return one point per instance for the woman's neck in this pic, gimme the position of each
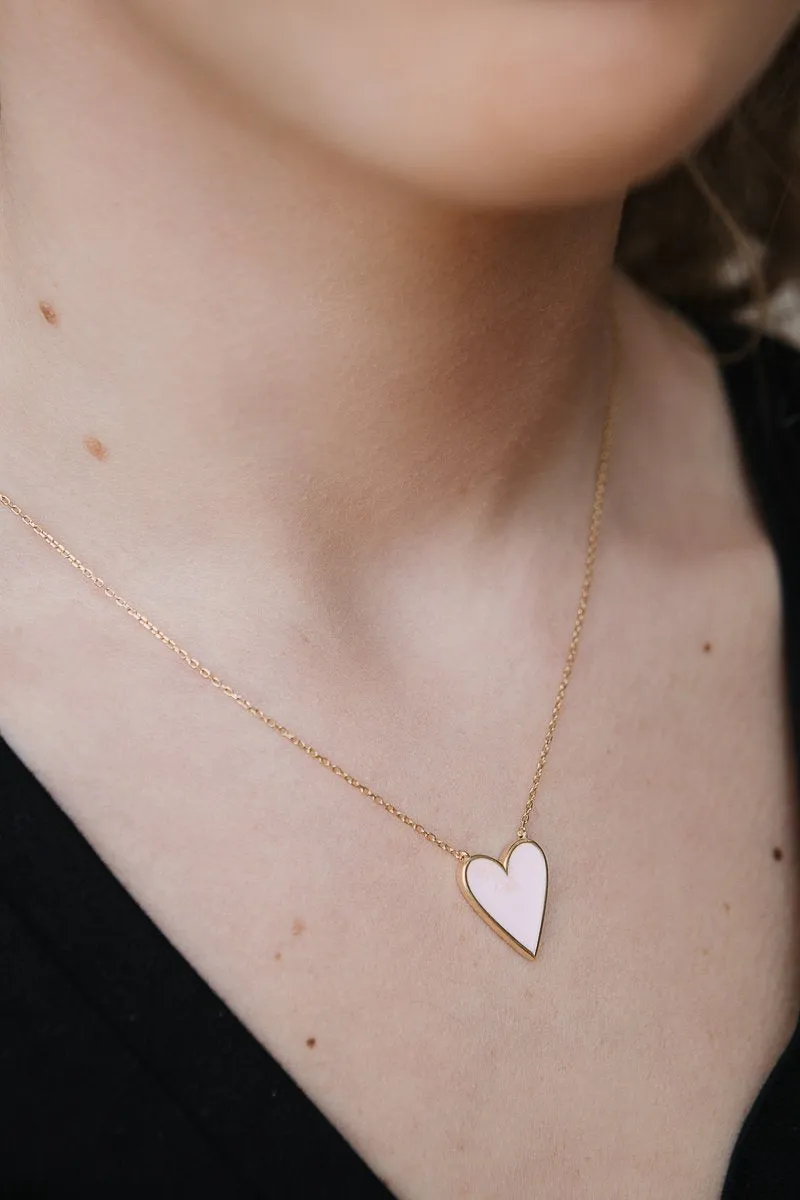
(248, 331)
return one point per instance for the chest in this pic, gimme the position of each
(623, 1060)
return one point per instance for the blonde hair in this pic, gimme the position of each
(721, 231)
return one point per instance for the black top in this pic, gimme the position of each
(122, 1074)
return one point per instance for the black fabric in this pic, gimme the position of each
(123, 1075)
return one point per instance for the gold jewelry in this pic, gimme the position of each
(508, 893)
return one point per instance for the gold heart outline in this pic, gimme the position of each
(474, 903)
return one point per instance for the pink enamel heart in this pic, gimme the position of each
(510, 894)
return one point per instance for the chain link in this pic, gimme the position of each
(323, 760)
(580, 616)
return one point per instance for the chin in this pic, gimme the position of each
(516, 103)
(557, 120)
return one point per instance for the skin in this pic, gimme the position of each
(501, 103)
(306, 332)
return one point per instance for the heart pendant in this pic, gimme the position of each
(509, 894)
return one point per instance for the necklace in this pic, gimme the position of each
(510, 892)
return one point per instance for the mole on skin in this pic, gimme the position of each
(777, 854)
(707, 648)
(298, 927)
(96, 448)
(277, 956)
(48, 312)
(311, 1043)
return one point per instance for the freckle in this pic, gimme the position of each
(277, 956)
(298, 927)
(726, 906)
(48, 312)
(777, 854)
(96, 448)
(707, 648)
(706, 951)
(311, 1043)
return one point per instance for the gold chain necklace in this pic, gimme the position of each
(508, 893)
